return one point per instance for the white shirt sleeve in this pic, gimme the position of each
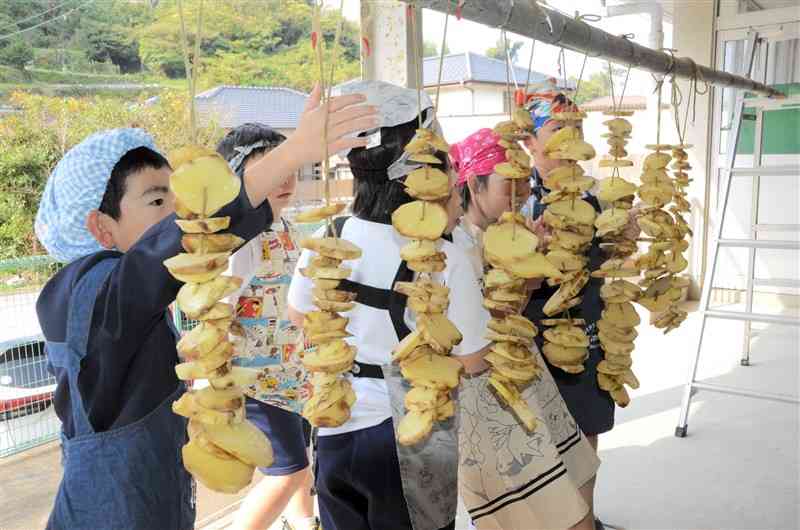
(244, 264)
(466, 309)
(300, 297)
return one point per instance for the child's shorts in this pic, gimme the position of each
(289, 434)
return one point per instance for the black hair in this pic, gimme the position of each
(131, 162)
(375, 196)
(464, 193)
(248, 134)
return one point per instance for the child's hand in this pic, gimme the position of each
(632, 230)
(346, 117)
(541, 230)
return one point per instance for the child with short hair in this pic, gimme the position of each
(270, 348)
(107, 211)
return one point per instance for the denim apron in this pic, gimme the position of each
(131, 477)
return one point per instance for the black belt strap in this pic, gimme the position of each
(372, 371)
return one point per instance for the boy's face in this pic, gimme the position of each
(281, 197)
(147, 201)
(453, 205)
(495, 198)
(536, 143)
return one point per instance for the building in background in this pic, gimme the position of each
(278, 107)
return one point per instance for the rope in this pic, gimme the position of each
(191, 70)
(26, 19)
(530, 66)
(508, 73)
(441, 59)
(412, 18)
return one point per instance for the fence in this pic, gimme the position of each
(27, 418)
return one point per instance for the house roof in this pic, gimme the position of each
(606, 103)
(472, 67)
(231, 106)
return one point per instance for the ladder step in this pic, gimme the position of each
(765, 171)
(777, 282)
(753, 317)
(763, 227)
(722, 389)
(759, 243)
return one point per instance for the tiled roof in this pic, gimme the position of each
(605, 103)
(231, 106)
(472, 67)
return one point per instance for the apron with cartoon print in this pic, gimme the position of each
(270, 344)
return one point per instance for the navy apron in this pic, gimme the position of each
(131, 477)
(592, 408)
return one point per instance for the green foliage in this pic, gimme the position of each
(430, 49)
(33, 140)
(498, 51)
(16, 54)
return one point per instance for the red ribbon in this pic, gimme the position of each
(367, 48)
(314, 40)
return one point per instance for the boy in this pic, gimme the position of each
(266, 263)
(107, 211)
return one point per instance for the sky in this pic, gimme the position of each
(465, 36)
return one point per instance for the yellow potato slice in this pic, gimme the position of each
(243, 440)
(188, 264)
(560, 137)
(577, 211)
(203, 226)
(419, 250)
(432, 371)
(512, 170)
(613, 189)
(428, 183)
(420, 220)
(332, 247)
(509, 241)
(622, 315)
(210, 243)
(319, 214)
(415, 426)
(195, 299)
(204, 184)
(224, 475)
(564, 355)
(656, 160)
(574, 150)
(421, 399)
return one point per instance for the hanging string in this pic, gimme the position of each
(441, 59)
(508, 73)
(582, 18)
(334, 61)
(411, 15)
(191, 70)
(530, 66)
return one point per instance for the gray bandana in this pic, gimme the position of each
(397, 105)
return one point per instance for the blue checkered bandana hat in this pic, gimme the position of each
(76, 187)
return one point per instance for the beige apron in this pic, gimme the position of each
(511, 479)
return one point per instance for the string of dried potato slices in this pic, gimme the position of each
(423, 355)
(510, 248)
(617, 325)
(224, 447)
(332, 395)
(571, 220)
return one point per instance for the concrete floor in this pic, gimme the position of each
(737, 469)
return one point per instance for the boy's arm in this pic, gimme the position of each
(140, 288)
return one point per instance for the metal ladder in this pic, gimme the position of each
(753, 244)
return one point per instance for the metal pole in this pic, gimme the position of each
(528, 19)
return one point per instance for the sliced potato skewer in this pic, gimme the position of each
(224, 447)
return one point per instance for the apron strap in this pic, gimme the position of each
(68, 355)
(81, 304)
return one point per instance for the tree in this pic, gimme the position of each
(16, 54)
(429, 49)
(498, 50)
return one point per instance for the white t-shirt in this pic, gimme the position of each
(373, 333)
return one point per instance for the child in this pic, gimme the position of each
(591, 406)
(549, 464)
(107, 211)
(266, 264)
(364, 479)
